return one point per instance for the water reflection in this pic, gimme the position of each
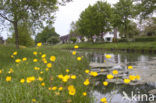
(145, 66)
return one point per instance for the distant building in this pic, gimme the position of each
(64, 39)
(109, 36)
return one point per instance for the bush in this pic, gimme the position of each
(122, 40)
(73, 39)
(53, 40)
(145, 39)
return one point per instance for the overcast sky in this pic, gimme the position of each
(65, 15)
(71, 12)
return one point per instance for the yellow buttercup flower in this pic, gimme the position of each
(52, 58)
(105, 83)
(79, 58)
(30, 79)
(115, 72)
(94, 74)
(127, 81)
(73, 77)
(104, 100)
(87, 71)
(35, 53)
(84, 93)
(18, 60)
(12, 56)
(137, 77)
(47, 69)
(67, 70)
(49, 65)
(41, 72)
(110, 76)
(43, 55)
(65, 78)
(108, 56)
(76, 46)
(132, 77)
(10, 71)
(33, 100)
(24, 59)
(130, 67)
(0, 71)
(15, 53)
(74, 52)
(40, 78)
(8, 78)
(86, 82)
(43, 84)
(39, 44)
(35, 60)
(36, 68)
(60, 76)
(71, 90)
(54, 88)
(22, 80)
(60, 88)
(50, 88)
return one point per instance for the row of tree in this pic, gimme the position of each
(102, 17)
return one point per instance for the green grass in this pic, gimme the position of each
(16, 92)
(125, 45)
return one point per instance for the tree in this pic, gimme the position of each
(46, 34)
(145, 7)
(33, 11)
(24, 37)
(150, 28)
(123, 12)
(53, 40)
(95, 19)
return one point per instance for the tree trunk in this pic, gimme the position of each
(16, 34)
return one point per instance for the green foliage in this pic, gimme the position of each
(122, 40)
(53, 40)
(95, 19)
(123, 11)
(46, 34)
(24, 36)
(145, 7)
(73, 39)
(145, 39)
(150, 29)
(30, 11)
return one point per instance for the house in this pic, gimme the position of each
(67, 38)
(109, 36)
(64, 39)
(1, 40)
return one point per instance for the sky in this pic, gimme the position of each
(65, 15)
(71, 12)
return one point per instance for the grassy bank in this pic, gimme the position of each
(24, 84)
(124, 45)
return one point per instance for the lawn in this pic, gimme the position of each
(123, 45)
(28, 81)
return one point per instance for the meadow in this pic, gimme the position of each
(42, 75)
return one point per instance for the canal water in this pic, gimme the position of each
(138, 91)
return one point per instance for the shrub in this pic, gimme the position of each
(73, 39)
(145, 39)
(122, 40)
(53, 40)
